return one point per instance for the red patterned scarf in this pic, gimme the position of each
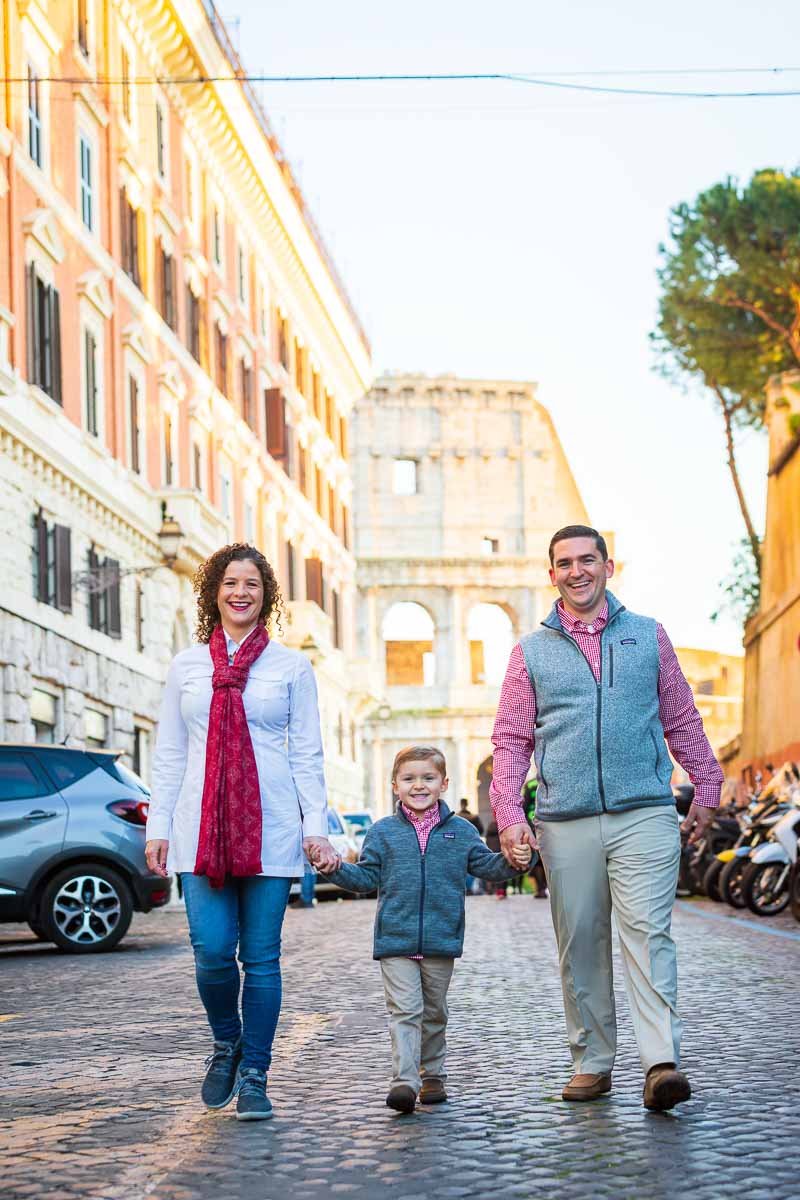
(230, 820)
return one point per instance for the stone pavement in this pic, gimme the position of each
(102, 1060)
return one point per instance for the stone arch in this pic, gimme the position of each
(490, 633)
(408, 633)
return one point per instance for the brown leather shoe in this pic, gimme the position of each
(586, 1087)
(402, 1098)
(432, 1091)
(665, 1087)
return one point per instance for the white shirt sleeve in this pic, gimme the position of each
(169, 759)
(305, 750)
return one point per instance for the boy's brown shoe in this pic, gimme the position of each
(402, 1098)
(432, 1091)
(586, 1087)
(665, 1087)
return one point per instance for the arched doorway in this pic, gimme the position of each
(408, 635)
(484, 782)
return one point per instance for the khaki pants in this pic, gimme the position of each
(416, 1000)
(626, 863)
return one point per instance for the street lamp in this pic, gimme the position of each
(170, 537)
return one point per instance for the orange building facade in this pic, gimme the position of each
(174, 340)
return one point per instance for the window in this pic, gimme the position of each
(141, 751)
(263, 314)
(216, 236)
(66, 767)
(190, 186)
(43, 716)
(249, 524)
(18, 778)
(197, 467)
(90, 383)
(299, 367)
(319, 491)
(140, 616)
(83, 27)
(225, 493)
(44, 335)
(220, 359)
(241, 275)
(489, 545)
(332, 508)
(52, 563)
(290, 571)
(169, 452)
(345, 528)
(343, 436)
(302, 472)
(316, 393)
(129, 235)
(404, 478)
(95, 729)
(315, 587)
(166, 271)
(246, 392)
(330, 414)
(283, 342)
(125, 74)
(337, 619)
(104, 600)
(87, 190)
(161, 139)
(195, 327)
(135, 424)
(35, 140)
(277, 432)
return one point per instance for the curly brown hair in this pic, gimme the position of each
(209, 575)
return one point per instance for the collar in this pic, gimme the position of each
(560, 620)
(232, 646)
(429, 817)
(442, 814)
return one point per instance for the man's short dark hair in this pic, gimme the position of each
(574, 531)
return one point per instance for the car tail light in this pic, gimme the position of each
(158, 897)
(132, 811)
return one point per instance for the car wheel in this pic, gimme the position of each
(38, 929)
(86, 909)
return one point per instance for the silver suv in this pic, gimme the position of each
(72, 864)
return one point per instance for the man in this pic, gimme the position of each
(463, 811)
(592, 695)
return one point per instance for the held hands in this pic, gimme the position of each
(517, 844)
(321, 855)
(155, 853)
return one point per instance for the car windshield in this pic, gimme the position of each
(117, 770)
(359, 821)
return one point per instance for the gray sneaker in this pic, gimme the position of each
(252, 1102)
(219, 1085)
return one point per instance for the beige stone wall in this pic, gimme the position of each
(492, 485)
(717, 681)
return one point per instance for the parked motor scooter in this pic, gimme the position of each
(756, 825)
(767, 879)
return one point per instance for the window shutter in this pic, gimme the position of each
(63, 555)
(337, 620)
(201, 320)
(40, 535)
(124, 232)
(113, 600)
(55, 347)
(172, 285)
(160, 281)
(314, 581)
(137, 219)
(94, 596)
(32, 324)
(276, 423)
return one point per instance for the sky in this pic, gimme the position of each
(499, 230)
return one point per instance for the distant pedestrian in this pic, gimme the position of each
(537, 871)
(593, 693)
(473, 885)
(238, 795)
(418, 860)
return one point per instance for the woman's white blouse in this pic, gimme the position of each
(280, 702)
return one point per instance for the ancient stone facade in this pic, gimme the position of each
(771, 729)
(172, 333)
(458, 486)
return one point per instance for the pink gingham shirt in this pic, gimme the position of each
(423, 825)
(513, 735)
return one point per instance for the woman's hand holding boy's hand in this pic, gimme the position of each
(322, 855)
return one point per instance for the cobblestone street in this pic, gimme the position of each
(102, 1062)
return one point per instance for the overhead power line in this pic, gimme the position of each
(555, 80)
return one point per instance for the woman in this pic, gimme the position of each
(238, 796)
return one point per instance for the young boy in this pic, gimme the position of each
(418, 860)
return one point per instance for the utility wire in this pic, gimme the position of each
(541, 80)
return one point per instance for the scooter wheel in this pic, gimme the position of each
(711, 880)
(730, 882)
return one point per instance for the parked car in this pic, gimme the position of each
(72, 826)
(343, 843)
(358, 822)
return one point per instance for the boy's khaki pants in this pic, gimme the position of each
(416, 1000)
(627, 863)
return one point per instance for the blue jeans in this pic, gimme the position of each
(307, 885)
(246, 912)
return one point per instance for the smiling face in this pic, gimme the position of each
(580, 573)
(418, 784)
(240, 598)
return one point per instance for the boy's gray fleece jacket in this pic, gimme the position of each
(420, 896)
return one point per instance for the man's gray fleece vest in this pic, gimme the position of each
(599, 746)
